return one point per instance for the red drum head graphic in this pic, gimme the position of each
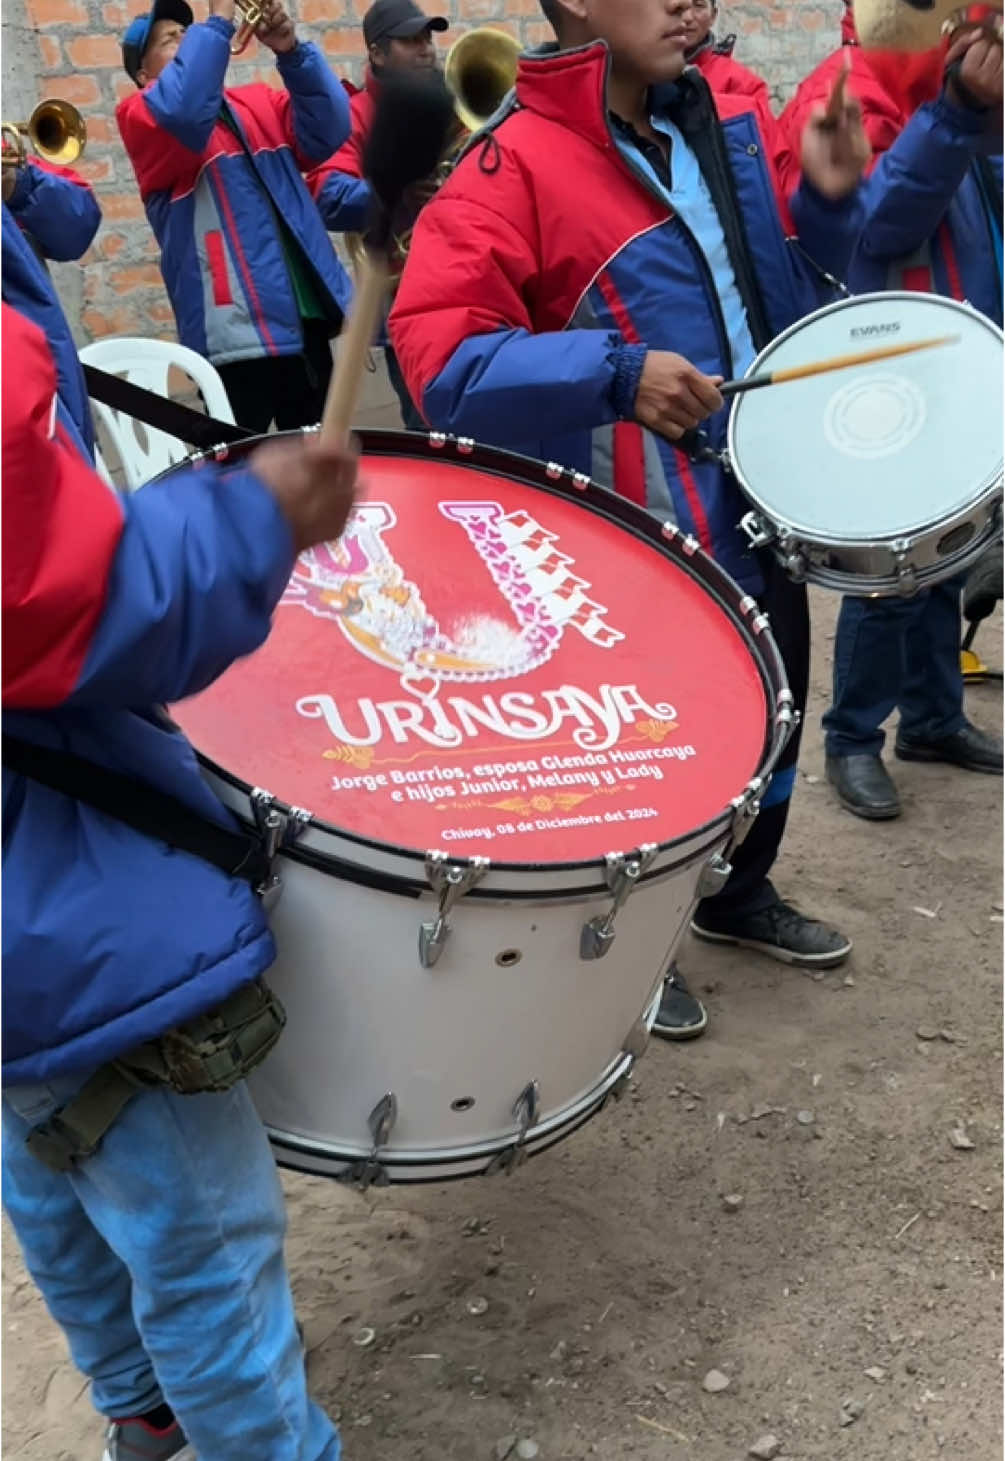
(488, 668)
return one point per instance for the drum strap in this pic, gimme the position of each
(210, 1053)
(140, 806)
(198, 430)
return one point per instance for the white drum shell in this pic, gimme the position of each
(910, 553)
(457, 1043)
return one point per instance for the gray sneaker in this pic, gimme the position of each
(135, 1440)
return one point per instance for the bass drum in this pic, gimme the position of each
(528, 722)
(885, 478)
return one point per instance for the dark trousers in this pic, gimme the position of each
(896, 654)
(287, 389)
(409, 414)
(749, 888)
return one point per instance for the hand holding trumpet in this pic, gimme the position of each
(264, 19)
(276, 29)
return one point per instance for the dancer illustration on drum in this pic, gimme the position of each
(581, 285)
(934, 224)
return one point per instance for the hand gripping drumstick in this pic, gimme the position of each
(836, 362)
(414, 115)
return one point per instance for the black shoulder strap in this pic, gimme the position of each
(153, 410)
(142, 807)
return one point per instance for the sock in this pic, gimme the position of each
(161, 1418)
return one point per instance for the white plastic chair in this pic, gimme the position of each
(144, 451)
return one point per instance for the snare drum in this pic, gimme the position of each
(880, 479)
(504, 733)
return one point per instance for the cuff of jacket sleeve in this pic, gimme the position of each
(221, 26)
(292, 60)
(23, 188)
(970, 120)
(628, 362)
(821, 200)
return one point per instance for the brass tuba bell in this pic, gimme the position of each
(480, 69)
(55, 129)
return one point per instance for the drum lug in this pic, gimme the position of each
(526, 1111)
(370, 1172)
(796, 566)
(759, 533)
(637, 1039)
(785, 711)
(277, 828)
(745, 810)
(450, 881)
(621, 873)
(714, 876)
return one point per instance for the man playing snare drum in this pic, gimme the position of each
(595, 266)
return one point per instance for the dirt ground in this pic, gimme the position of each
(853, 1300)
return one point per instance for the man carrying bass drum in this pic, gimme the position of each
(589, 273)
(932, 223)
(136, 1173)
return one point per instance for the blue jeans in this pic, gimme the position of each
(161, 1258)
(896, 653)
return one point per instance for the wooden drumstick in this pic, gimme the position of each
(836, 362)
(413, 118)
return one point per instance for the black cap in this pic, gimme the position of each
(137, 37)
(388, 20)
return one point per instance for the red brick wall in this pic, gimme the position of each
(78, 58)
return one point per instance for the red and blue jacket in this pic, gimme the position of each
(215, 193)
(547, 266)
(724, 73)
(933, 204)
(338, 185)
(57, 208)
(112, 606)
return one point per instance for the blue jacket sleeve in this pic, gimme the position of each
(828, 229)
(344, 203)
(59, 211)
(319, 105)
(201, 563)
(917, 178)
(465, 341)
(187, 96)
(545, 385)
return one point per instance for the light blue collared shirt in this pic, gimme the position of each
(690, 198)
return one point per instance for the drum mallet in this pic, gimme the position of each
(836, 362)
(413, 119)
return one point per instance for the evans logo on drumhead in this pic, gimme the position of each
(875, 332)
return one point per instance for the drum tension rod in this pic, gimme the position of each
(450, 881)
(370, 1172)
(277, 829)
(621, 873)
(526, 1111)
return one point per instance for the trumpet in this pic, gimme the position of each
(55, 129)
(480, 70)
(253, 12)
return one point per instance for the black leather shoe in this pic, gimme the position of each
(864, 787)
(680, 1016)
(969, 748)
(781, 932)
